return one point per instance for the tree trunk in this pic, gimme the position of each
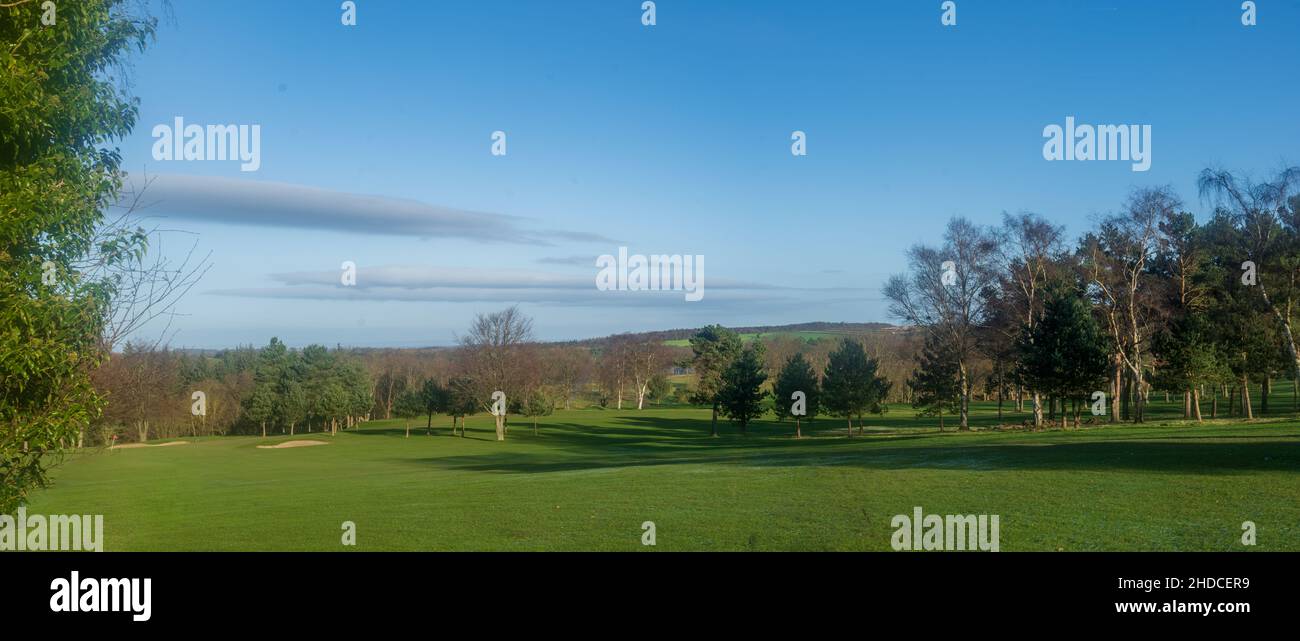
(1187, 403)
(1245, 398)
(797, 432)
(1196, 404)
(1126, 397)
(965, 398)
(263, 429)
(714, 423)
(1265, 392)
(1001, 393)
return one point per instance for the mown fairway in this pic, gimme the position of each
(591, 477)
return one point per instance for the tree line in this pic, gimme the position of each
(1148, 300)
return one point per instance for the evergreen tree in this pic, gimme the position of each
(797, 375)
(713, 348)
(936, 382)
(539, 403)
(1065, 354)
(741, 395)
(851, 386)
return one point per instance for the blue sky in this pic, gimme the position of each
(669, 139)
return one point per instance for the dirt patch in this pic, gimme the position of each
(131, 446)
(280, 446)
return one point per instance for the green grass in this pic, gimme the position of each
(591, 477)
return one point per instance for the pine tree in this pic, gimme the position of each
(713, 349)
(851, 386)
(1065, 355)
(797, 375)
(936, 382)
(741, 395)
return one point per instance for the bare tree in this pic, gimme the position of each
(645, 358)
(944, 294)
(1030, 251)
(129, 259)
(1115, 263)
(494, 343)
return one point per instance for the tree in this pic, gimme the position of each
(360, 397)
(570, 370)
(659, 388)
(1270, 236)
(433, 398)
(462, 401)
(61, 111)
(1184, 347)
(293, 403)
(945, 294)
(539, 403)
(495, 345)
(797, 375)
(712, 348)
(1189, 359)
(936, 383)
(850, 386)
(1117, 262)
(263, 406)
(645, 359)
(1064, 355)
(741, 395)
(1030, 254)
(409, 405)
(1244, 330)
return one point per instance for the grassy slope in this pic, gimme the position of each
(592, 477)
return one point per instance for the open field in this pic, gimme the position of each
(590, 478)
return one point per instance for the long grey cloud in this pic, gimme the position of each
(464, 285)
(421, 277)
(271, 204)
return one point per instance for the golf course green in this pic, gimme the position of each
(590, 478)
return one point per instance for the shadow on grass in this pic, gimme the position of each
(568, 452)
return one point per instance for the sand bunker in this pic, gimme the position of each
(285, 444)
(129, 446)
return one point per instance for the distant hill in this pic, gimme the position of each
(679, 337)
(674, 337)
